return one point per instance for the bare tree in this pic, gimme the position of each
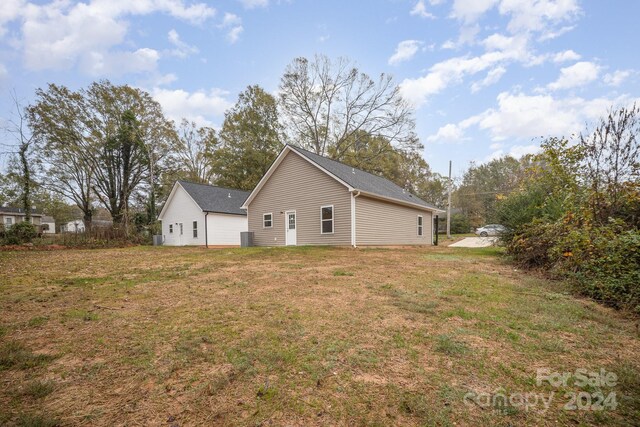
(611, 157)
(23, 142)
(326, 103)
(195, 150)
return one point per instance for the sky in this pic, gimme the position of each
(487, 78)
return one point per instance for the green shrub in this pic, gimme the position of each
(460, 224)
(602, 262)
(22, 232)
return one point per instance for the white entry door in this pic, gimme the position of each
(290, 228)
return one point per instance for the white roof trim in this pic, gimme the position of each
(275, 165)
(173, 192)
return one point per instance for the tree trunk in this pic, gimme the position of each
(26, 182)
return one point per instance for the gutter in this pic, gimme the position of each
(398, 201)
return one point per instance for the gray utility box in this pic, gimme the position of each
(158, 240)
(246, 239)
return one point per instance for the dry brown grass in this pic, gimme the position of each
(296, 336)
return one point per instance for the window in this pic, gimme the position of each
(8, 222)
(181, 231)
(195, 229)
(267, 220)
(170, 228)
(420, 227)
(326, 219)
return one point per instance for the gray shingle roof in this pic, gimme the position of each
(216, 199)
(17, 211)
(363, 181)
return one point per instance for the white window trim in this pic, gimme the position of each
(170, 228)
(333, 219)
(194, 229)
(265, 214)
(420, 227)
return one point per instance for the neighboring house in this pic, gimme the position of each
(204, 215)
(307, 199)
(77, 225)
(48, 225)
(10, 216)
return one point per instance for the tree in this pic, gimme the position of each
(66, 141)
(250, 140)
(24, 139)
(483, 185)
(326, 104)
(194, 157)
(611, 159)
(123, 163)
(104, 141)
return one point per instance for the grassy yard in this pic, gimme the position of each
(300, 336)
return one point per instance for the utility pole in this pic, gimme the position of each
(449, 205)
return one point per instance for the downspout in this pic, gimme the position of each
(206, 233)
(353, 218)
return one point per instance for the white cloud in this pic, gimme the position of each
(233, 24)
(181, 49)
(420, 9)
(200, 106)
(447, 133)
(578, 74)
(538, 15)
(10, 10)
(253, 4)
(405, 51)
(234, 34)
(516, 151)
(502, 50)
(567, 55)
(522, 150)
(164, 79)
(99, 64)
(470, 11)
(550, 35)
(521, 116)
(493, 76)
(61, 34)
(617, 77)
(230, 20)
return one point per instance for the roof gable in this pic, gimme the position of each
(353, 178)
(364, 181)
(215, 199)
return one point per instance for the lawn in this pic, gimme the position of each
(299, 336)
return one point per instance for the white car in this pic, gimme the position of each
(491, 230)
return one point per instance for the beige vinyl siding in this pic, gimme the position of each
(35, 220)
(382, 223)
(298, 185)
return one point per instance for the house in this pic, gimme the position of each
(307, 199)
(101, 219)
(48, 225)
(10, 216)
(204, 215)
(75, 226)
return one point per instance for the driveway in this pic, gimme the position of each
(475, 242)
